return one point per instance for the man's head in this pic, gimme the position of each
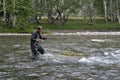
(39, 28)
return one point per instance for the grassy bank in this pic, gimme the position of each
(76, 24)
(72, 24)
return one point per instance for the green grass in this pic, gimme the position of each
(71, 24)
(76, 24)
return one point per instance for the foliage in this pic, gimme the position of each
(99, 7)
(21, 11)
(72, 24)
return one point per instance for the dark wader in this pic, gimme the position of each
(36, 48)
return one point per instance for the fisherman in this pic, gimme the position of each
(36, 39)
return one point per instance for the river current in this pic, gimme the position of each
(67, 57)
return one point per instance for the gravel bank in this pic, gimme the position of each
(65, 33)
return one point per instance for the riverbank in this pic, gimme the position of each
(67, 32)
(70, 26)
(78, 30)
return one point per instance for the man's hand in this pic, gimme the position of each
(45, 37)
(39, 40)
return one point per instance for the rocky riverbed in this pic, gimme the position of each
(68, 56)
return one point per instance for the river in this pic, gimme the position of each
(67, 57)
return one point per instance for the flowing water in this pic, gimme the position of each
(67, 57)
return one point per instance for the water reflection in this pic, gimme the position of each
(67, 57)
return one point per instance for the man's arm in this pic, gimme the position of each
(33, 37)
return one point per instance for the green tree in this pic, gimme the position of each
(23, 11)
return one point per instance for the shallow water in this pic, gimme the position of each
(67, 57)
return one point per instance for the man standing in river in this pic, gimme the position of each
(36, 39)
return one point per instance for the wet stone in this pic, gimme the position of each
(118, 65)
(8, 79)
(61, 79)
(21, 73)
(33, 74)
(112, 73)
(3, 73)
(93, 71)
(82, 77)
(76, 74)
(104, 77)
(43, 73)
(116, 78)
(90, 79)
(59, 75)
(48, 78)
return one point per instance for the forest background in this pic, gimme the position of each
(22, 16)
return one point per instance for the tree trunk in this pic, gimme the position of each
(4, 13)
(111, 9)
(36, 10)
(105, 10)
(85, 20)
(14, 19)
(91, 10)
(50, 19)
(45, 4)
(62, 18)
(118, 13)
